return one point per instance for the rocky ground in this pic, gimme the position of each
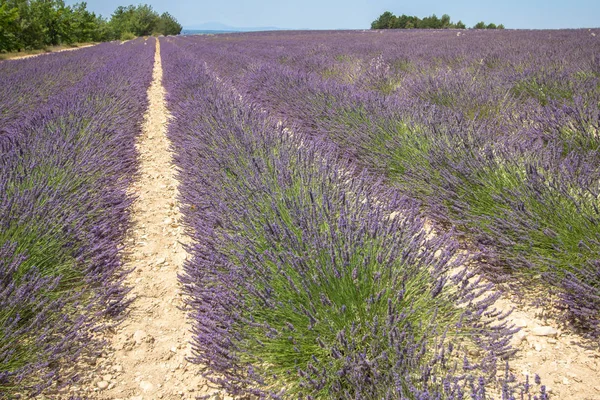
(566, 363)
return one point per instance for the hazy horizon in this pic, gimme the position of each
(358, 14)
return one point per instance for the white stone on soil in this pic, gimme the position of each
(146, 386)
(102, 385)
(544, 331)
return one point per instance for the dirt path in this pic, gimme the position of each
(19, 57)
(567, 368)
(146, 357)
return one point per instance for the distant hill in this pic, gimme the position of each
(217, 26)
(185, 32)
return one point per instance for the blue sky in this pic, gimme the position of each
(358, 14)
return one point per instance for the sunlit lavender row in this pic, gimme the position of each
(497, 133)
(27, 84)
(311, 278)
(67, 156)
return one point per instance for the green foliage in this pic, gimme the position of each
(9, 18)
(542, 90)
(168, 25)
(142, 20)
(388, 20)
(385, 21)
(491, 25)
(37, 24)
(87, 26)
(563, 220)
(432, 22)
(127, 36)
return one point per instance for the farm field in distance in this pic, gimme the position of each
(366, 214)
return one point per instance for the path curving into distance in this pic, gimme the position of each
(146, 357)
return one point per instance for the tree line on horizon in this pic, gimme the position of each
(37, 24)
(388, 20)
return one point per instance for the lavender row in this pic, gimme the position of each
(497, 133)
(308, 279)
(64, 174)
(26, 84)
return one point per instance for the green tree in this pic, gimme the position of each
(9, 21)
(31, 31)
(480, 25)
(86, 26)
(145, 20)
(387, 20)
(491, 25)
(384, 21)
(446, 21)
(55, 18)
(168, 25)
(401, 21)
(128, 22)
(120, 21)
(432, 22)
(35, 24)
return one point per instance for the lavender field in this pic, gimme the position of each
(495, 133)
(357, 202)
(294, 150)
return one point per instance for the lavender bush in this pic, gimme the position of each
(64, 172)
(308, 279)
